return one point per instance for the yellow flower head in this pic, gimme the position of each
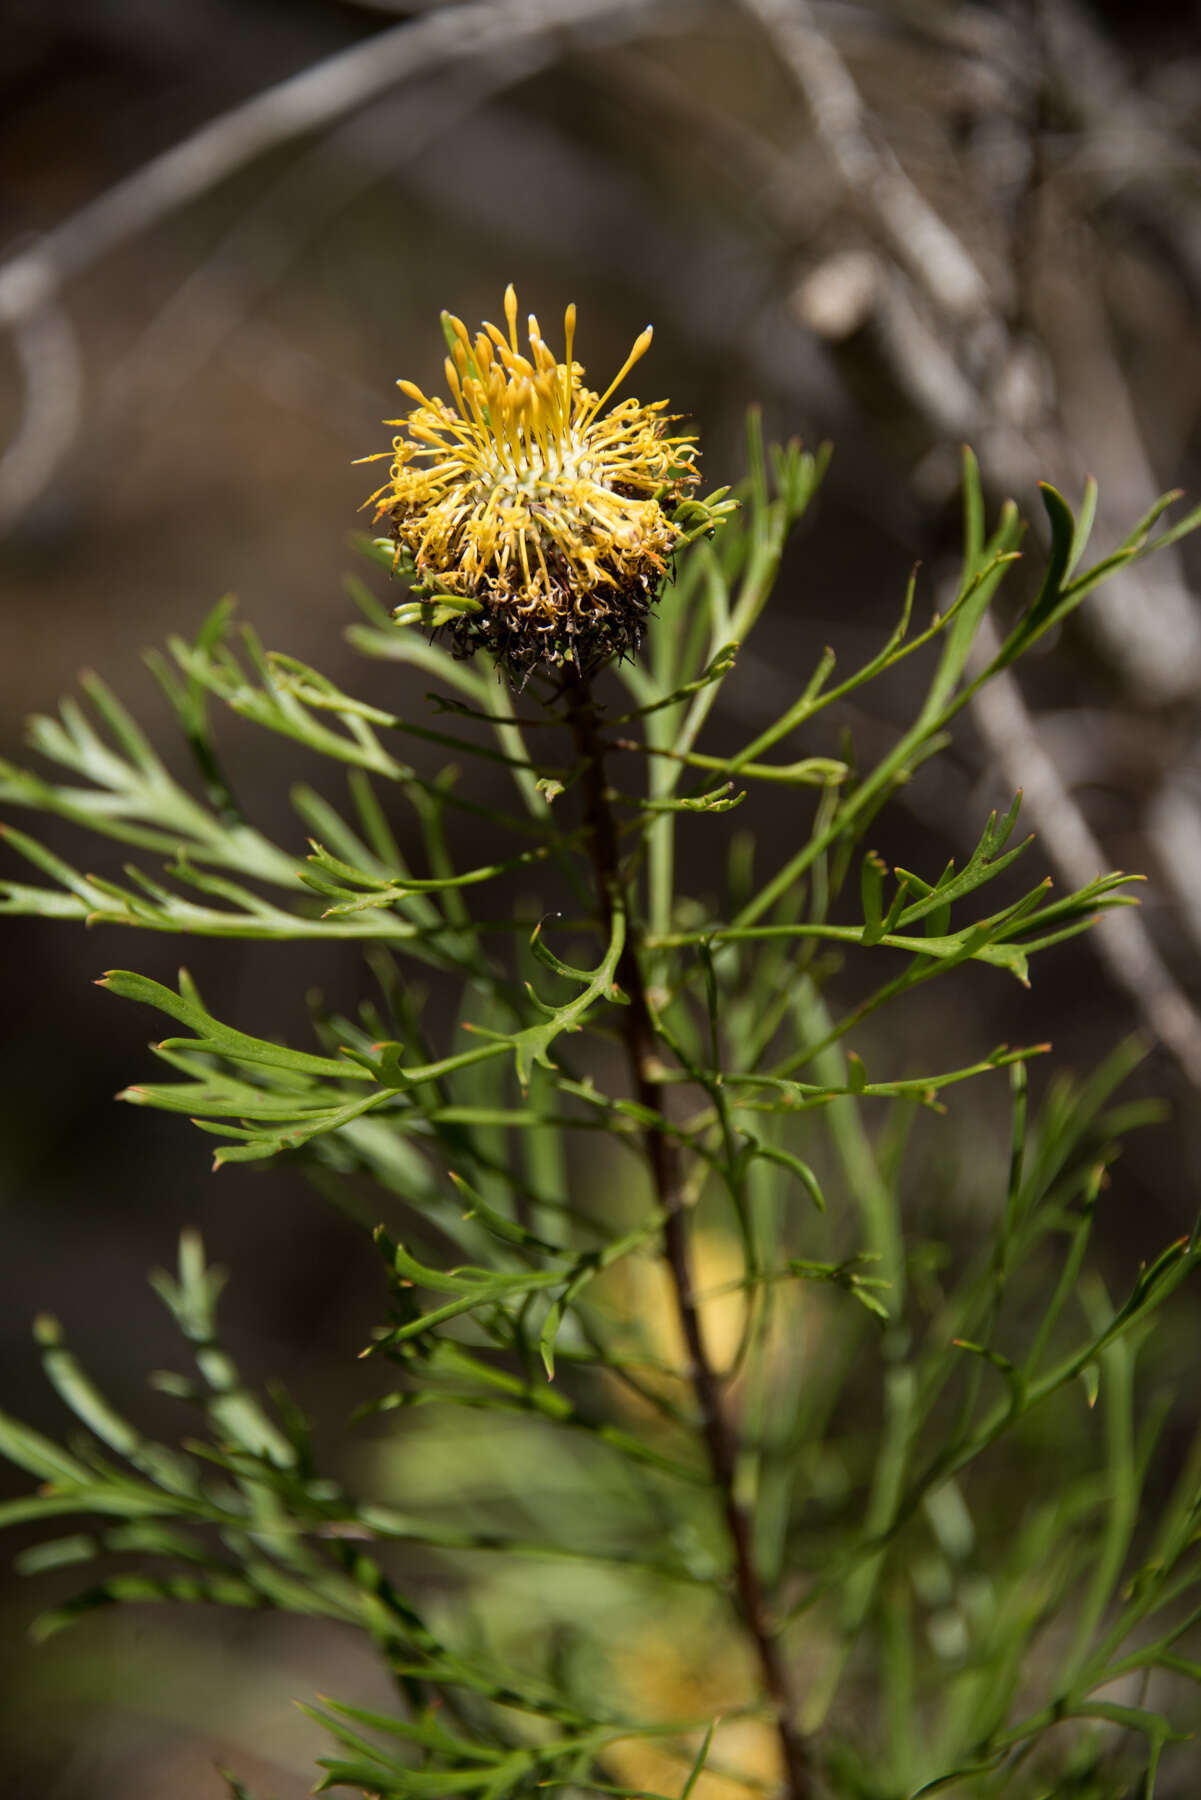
(549, 520)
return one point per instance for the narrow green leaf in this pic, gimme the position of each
(222, 1040)
(784, 1159)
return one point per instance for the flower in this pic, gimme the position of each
(542, 523)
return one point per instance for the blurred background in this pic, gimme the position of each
(229, 226)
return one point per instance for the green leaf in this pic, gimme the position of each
(222, 1040)
(784, 1159)
(141, 1590)
(702, 1757)
(553, 1322)
(36, 1454)
(93, 1410)
(532, 1046)
(237, 1789)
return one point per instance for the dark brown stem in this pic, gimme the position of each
(663, 1154)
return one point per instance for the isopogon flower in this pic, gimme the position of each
(543, 523)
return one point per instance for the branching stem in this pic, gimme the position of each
(663, 1154)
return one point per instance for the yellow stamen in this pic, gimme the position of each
(641, 345)
(452, 382)
(558, 521)
(568, 346)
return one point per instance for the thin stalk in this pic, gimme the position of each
(663, 1155)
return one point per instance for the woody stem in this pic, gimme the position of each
(663, 1155)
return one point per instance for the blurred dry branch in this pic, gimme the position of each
(1133, 151)
(52, 391)
(304, 103)
(962, 353)
(868, 168)
(31, 281)
(915, 313)
(267, 240)
(1122, 941)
